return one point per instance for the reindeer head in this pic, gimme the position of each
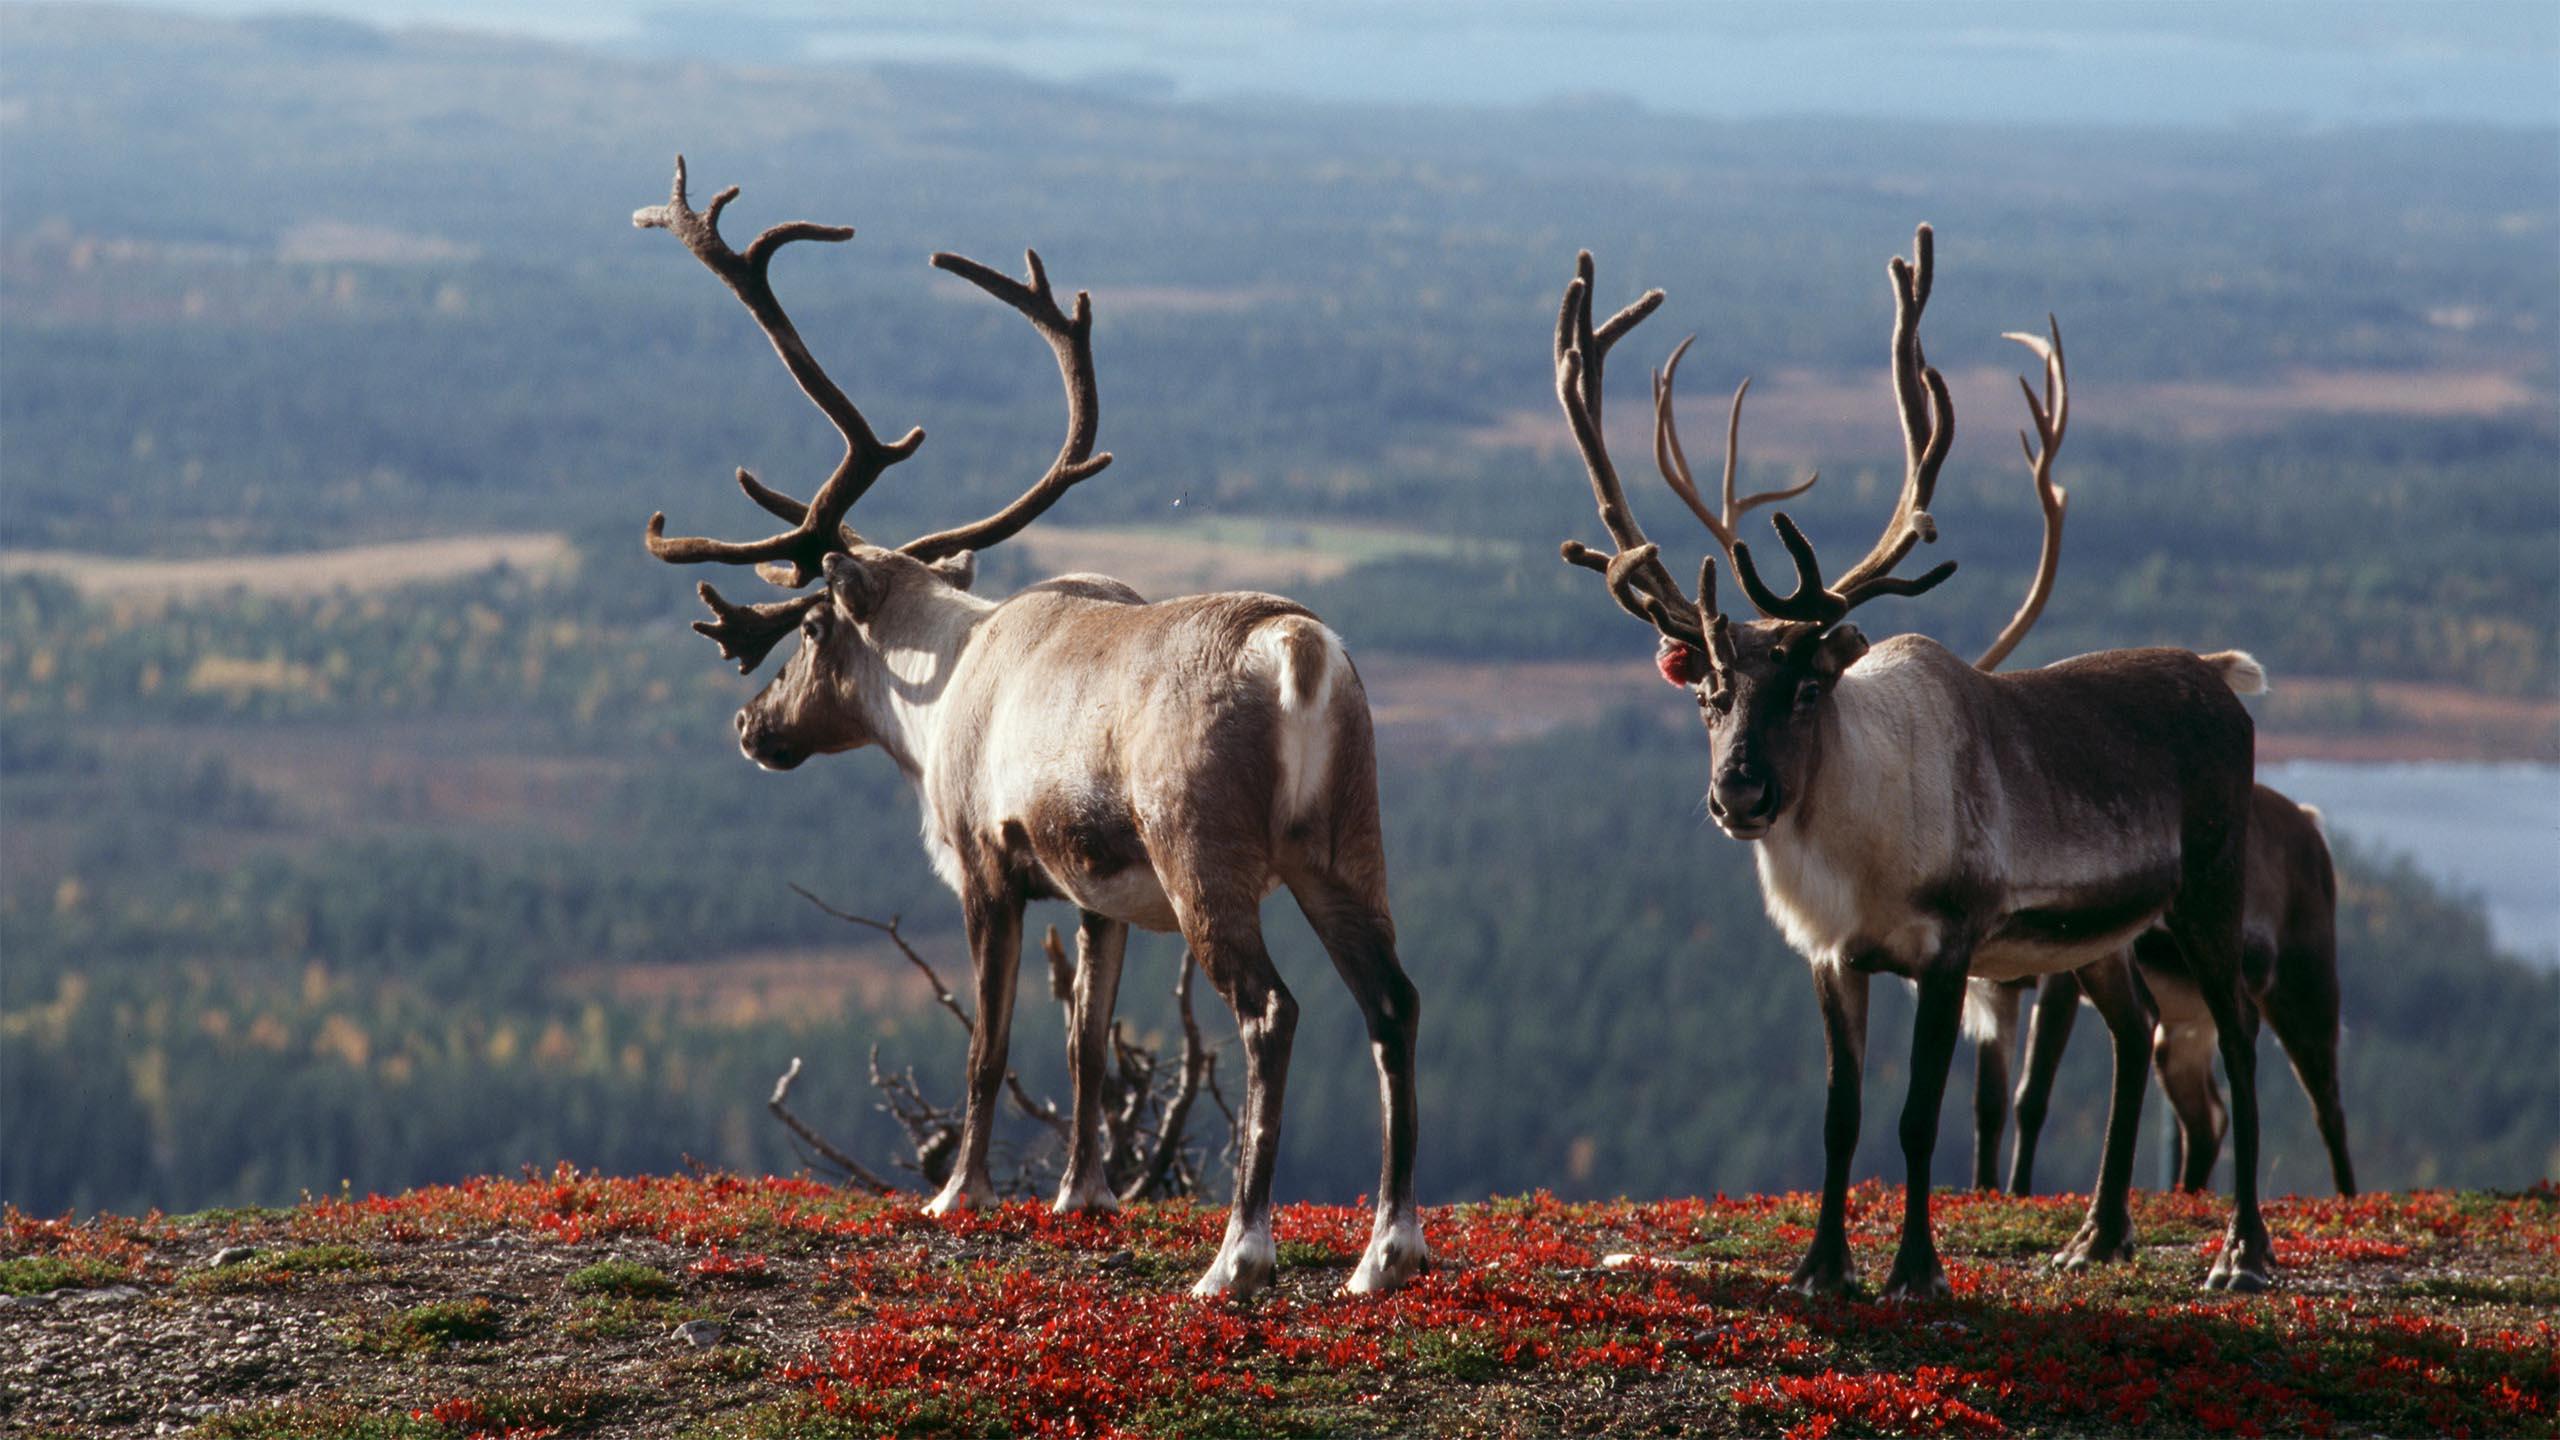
(1762, 686)
(826, 698)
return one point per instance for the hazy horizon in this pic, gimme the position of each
(2309, 66)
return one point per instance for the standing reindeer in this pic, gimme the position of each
(2289, 935)
(1916, 816)
(1165, 765)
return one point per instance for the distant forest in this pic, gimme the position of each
(403, 884)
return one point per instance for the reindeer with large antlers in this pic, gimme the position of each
(2289, 934)
(1916, 816)
(1159, 765)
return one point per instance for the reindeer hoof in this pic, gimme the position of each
(2096, 1244)
(1085, 1200)
(1396, 1254)
(955, 1196)
(2244, 1267)
(1821, 1275)
(1918, 1280)
(1243, 1266)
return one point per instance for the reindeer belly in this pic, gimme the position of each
(1089, 853)
(2063, 927)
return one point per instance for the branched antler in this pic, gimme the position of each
(816, 528)
(797, 556)
(2052, 415)
(1071, 336)
(1634, 570)
(1673, 461)
(1928, 429)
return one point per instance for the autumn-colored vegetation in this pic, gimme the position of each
(2430, 1312)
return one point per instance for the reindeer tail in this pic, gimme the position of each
(2240, 670)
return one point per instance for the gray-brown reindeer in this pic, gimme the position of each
(1915, 816)
(1160, 765)
(2289, 933)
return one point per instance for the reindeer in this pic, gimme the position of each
(1161, 765)
(1915, 816)
(2289, 935)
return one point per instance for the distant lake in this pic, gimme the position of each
(2492, 830)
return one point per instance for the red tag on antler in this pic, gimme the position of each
(1680, 664)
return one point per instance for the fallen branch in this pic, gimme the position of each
(853, 1169)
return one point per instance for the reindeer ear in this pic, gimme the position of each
(1841, 647)
(958, 571)
(857, 589)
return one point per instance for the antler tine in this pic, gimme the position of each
(1673, 460)
(818, 528)
(1635, 575)
(1928, 421)
(1071, 336)
(2051, 414)
(746, 633)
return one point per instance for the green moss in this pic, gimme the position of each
(621, 1277)
(422, 1329)
(37, 1274)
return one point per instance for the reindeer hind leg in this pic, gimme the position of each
(1352, 921)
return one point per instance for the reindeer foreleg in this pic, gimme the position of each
(995, 945)
(1827, 1268)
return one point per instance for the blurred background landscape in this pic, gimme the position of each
(368, 813)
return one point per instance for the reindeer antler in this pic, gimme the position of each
(1928, 429)
(817, 527)
(1634, 570)
(1673, 461)
(1071, 336)
(2051, 414)
(797, 556)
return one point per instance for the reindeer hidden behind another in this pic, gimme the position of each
(1913, 815)
(2289, 931)
(1160, 765)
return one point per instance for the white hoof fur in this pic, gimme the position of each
(1092, 1197)
(956, 1195)
(1244, 1265)
(1396, 1254)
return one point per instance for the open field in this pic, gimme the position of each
(572, 1304)
(1232, 553)
(361, 569)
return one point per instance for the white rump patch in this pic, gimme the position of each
(2240, 670)
(1302, 657)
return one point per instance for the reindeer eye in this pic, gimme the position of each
(1807, 693)
(814, 624)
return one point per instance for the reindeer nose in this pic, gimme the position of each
(1738, 793)
(740, 721)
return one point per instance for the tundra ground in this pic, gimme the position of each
(715, 1306)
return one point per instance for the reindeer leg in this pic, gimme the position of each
(1230, 951)
(1916, 1273)
(2183, 1056)
(995, 944)
(2205, 923)
(2108, 1232)
(2302, 1008)
(1361, 938)
(2048, 1031)
(1991, 1082)
(1827, 1268)
(1100, 944)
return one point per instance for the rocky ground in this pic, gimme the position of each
(569, 1304)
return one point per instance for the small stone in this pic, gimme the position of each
(700, 1334)
(232, 1255)
(1120, 1260)
(103, 1295)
